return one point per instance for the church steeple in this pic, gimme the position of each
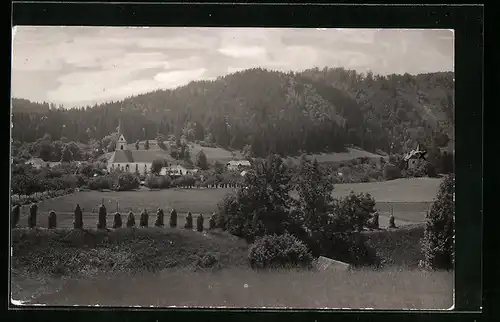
(121, 144)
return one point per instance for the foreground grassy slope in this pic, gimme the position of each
(75, 252)
(165, 267)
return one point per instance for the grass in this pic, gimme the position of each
(410, 199)
(391, 289)
(161, 267)
(351, 153)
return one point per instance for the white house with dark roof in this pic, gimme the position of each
(238, 165)
(133, 160)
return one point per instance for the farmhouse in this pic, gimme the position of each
(39, 163)
(414, 157)
(179, 170)
(238, 165)
(132, 160)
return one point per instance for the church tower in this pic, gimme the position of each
(121, 144)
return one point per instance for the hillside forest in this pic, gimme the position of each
(261, 112)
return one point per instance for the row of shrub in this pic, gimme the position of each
(117, 219)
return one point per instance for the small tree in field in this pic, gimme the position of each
(32, 216)
(101, 224)
(212, 222)
(117, 221)
(173, 218)
(201, 160)
(130, 220)
(144, 220)
(15, 214)
(199, 223)
(189, 221)
(52, 220)
(438, 242)
(78, 222)
(157, 165)
(159, 218)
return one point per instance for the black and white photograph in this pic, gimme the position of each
(224, 167)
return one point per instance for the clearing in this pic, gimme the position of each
(350, 154)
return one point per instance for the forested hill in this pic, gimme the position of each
(313, 111)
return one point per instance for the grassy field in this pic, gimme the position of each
(67, 267)
(410, 199)
(351, 153)
(390, 289)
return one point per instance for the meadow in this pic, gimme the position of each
(112, 269)
(349, 154)
(409, 198)
(389, 289)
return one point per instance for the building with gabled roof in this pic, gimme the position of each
(132, 160)
(414, 157)
(234, 165)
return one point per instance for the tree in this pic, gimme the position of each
(67, 155)
(157, 165)
(146, 145)
(353, 213)
(201, 160)
(187, 156)
(314, 188)
(260, 206)
(160, 141)
(438, 241)
(247, 152)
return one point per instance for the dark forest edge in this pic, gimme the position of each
(262, 112)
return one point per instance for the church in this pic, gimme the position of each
(131, 159)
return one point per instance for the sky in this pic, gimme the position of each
(76, 66)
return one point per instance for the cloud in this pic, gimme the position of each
(82, 64)
(243, 52)
(179, 77)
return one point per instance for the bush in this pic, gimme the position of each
(144, 220)
(211, 222)
(279, 251)
(189, 221)
(52, 220)
(438, 241)
(32, 216)
(199, 223)
(159, 218)
(126, 182)
(157, 182)
(117, 221)
(391, 171)
(101, 223)
(15, 214)
(100, 182)
(78, 222)
(173, 218)
(130, 220)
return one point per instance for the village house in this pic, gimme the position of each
(414, 157)
(133, 160)
(175, 170)
(238, 165)
(38, 163)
